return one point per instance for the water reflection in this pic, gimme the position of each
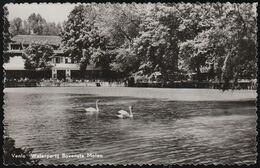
(161, 132)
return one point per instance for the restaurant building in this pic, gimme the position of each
(62, 67)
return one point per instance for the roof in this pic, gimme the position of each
(20, 52)
(28, 39)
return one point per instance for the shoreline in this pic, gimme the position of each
(165, 94)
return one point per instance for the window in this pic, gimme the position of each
(26, 45)
(15, 47)
(66, 60)
(57, 60)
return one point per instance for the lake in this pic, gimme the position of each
(170, 126)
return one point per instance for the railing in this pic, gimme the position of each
(21, 84)
(193, 84)
(81, 84)
(56, 83)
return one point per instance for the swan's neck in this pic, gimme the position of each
(130, 112)
(97, 106)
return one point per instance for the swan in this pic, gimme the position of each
(125, 114)
(91, 110)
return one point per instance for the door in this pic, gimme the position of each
(61, 74)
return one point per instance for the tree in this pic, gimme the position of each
(170, 38)
(6, 35)
(125, 61)
(37, 56)
(194, 56)
(59, 28)
(16, 26)
(36, 23)
(120, 23)
(9, 150)
(50, 28)
(157, 42)
(242, 53)
(26, 28)
(81, 38)
(228, 41)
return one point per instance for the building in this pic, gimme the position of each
(62, 67)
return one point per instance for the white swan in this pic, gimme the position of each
(91, 110)
(125, 114)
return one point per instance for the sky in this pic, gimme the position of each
(51, 12)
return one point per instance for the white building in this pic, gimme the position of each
(61, 66)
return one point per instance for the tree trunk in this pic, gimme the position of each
(164, 77)
(198, 74)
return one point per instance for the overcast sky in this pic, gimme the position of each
(51, 12)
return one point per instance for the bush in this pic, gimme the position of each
(16, 156)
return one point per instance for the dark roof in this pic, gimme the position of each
(20, 52)
(28, 39)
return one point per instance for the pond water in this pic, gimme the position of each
(163, 130)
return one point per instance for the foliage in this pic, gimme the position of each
(122, 24)
(125, 61)
(172, 39)
(35, 24)
(37, 56)
(81, 38)
(228, 41)
(16, 156)
(16, 26)
(51, 28)
(157, 43)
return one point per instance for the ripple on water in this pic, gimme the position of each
(160, 132)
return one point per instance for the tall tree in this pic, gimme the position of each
(121, 23)
(26, 27)
(50, 28)
(59, 28)
(228, 41)
(157, 43)
(16, 26)
(37, 23)
(81, 38)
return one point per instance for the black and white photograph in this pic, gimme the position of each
(129, 83)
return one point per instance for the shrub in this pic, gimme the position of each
(16, 156)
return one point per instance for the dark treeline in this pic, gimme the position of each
(173, 39)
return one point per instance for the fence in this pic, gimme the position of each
(21, 83)
(85, 83)
(81, 84)
(191, 84)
